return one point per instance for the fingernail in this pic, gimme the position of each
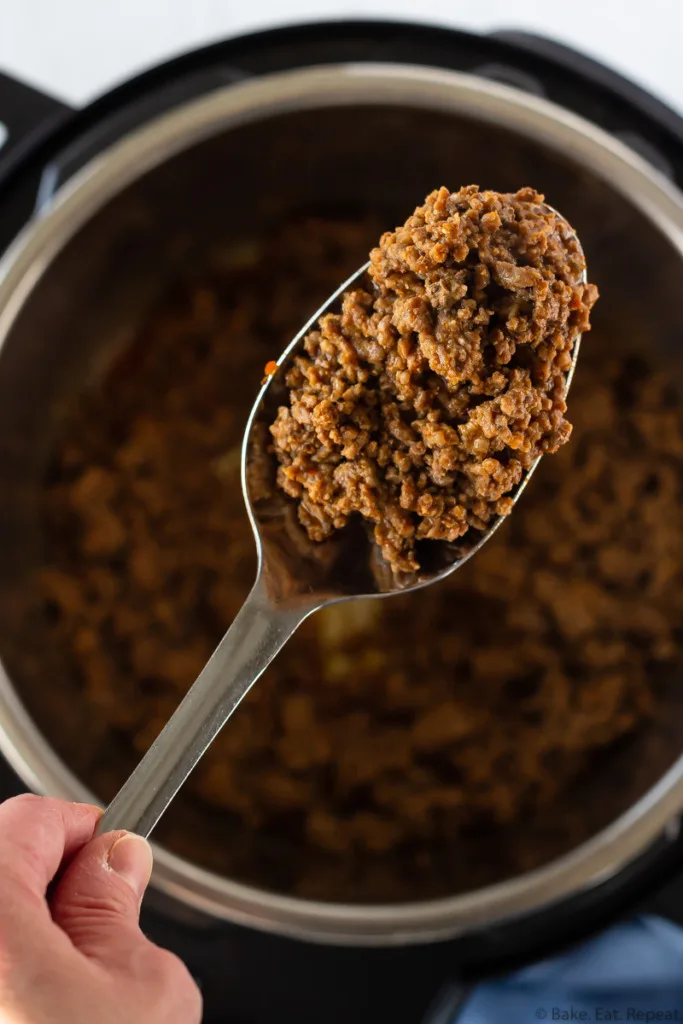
(131, 858)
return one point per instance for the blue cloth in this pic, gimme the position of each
(633, 972)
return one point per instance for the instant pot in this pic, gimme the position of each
(91, 202)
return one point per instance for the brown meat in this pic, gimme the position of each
(422, 403)
(492, 692)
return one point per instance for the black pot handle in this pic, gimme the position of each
(605, 77)
(107, 127)
(24, 112)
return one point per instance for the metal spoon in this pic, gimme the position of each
(294, 579)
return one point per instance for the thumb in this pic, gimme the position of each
(97, 901)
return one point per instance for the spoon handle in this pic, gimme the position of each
(246, 650)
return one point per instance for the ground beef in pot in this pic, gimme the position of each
(396, 749)
(421, 404)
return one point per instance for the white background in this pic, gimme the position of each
(78, 48)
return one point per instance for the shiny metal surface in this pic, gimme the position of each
(76, 282)
(294, 579)
(259, 631)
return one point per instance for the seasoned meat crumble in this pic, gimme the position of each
(421, 404)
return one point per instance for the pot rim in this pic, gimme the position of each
(604, 854)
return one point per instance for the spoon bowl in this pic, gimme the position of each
(295, 577)
(347, 566)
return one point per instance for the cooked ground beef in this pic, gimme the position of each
(421, 404)
(396, 749)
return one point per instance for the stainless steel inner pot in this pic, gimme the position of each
(362, 137)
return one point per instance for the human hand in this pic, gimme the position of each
(80, 957)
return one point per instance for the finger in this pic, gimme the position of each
(97, 904)
(97, 900)
(37, 834)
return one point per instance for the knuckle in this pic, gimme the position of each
(28, 801)
(47, 805)
(166, 964)
(26, 798)
(48, 808)
(171, 976)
